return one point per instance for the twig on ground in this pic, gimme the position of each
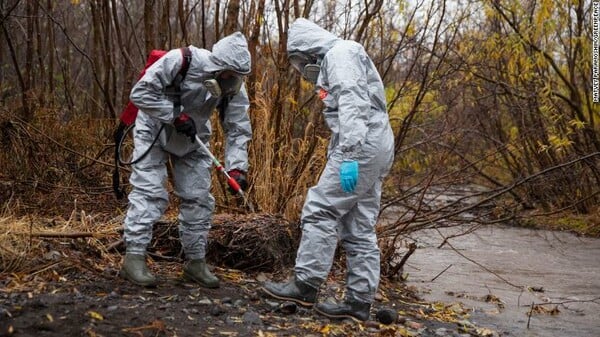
(72, 235)
(443, 271)
(529, 314)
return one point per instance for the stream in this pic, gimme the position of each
(524, 266)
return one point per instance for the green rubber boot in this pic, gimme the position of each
(197, 271)
(136, 271)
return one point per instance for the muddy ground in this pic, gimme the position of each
(66, 284)
(80, 302)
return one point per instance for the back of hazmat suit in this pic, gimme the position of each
(355, 110)
(191, 166)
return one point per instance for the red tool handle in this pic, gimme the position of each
(234, 184)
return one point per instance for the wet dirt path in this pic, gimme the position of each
(524, 266)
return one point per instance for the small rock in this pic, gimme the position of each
(205, 301)
(442, 332)
(414, 325)
(261, 277)
(252, 317)
(465, 324)
(217, 310)
(386, 316)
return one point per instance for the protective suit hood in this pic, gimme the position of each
(230, 53)
(306, 37)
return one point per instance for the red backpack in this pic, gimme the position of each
(129, 113)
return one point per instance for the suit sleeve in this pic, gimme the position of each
(148, 94)
(347, 76)
(238, 131)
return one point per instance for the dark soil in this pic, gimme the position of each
(69, 286)
(88, 303)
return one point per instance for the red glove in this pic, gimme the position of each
(240, 178)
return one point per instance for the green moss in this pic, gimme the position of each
(588, 225)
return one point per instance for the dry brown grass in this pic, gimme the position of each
(29, 244)
(56, 178)
(36, 246)
(284, 163)
(52, 165)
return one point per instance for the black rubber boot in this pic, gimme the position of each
(294, 290)
(197, 271)
(136, 271)
(357, 311)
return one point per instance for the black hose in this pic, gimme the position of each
(143, 154)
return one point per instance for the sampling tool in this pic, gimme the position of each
(230, 181)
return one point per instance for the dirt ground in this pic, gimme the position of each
(83, 302)
(66, 283)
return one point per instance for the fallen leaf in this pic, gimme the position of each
(95, 315)
(484, 332)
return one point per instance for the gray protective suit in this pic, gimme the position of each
(355, 111)
(191, 166)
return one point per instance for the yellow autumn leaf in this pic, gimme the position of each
(484, 332)
(50, 318)
(95, 315)
(325, 329)
(75, 2)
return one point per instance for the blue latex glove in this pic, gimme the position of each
(349, 175)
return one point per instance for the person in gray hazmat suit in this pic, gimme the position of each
(345, 202)
(212, 77)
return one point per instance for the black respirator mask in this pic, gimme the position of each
(307, 66)
(225, 83)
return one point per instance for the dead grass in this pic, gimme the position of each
(52, 165)
(28, 243)
(32, 245)
(284, 161)
(582, 224)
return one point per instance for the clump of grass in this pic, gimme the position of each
(582, 224)
(31, 243)
(588, 225)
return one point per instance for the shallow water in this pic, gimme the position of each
(564, 266)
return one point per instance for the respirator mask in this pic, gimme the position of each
(225, 83)
(306, 65)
